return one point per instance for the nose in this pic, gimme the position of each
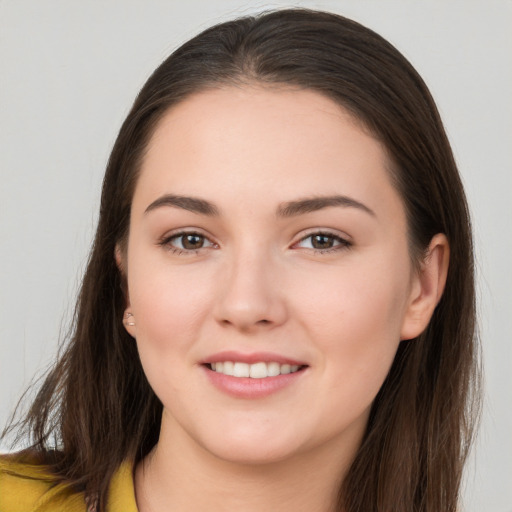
(251, 296)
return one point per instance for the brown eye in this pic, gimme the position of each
(183, 242)
(323, 242)
(192, 241)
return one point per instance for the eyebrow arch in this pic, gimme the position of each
(191, 204)
(312, 204)
(288, 209)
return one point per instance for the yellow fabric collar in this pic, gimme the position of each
(27, 487)
(121, 496)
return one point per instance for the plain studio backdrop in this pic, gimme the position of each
(69, 71)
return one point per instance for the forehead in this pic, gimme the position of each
(260, 143)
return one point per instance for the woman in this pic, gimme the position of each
(279, 303)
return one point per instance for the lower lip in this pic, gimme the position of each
(245, 387)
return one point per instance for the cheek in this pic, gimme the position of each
(169, 309)
(365, 299)
(169, 305)
(355, 317)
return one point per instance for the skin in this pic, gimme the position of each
(258, 283)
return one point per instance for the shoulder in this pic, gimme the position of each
(27, 486)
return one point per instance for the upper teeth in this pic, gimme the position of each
(255, 371)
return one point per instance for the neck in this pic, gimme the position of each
(184, 477)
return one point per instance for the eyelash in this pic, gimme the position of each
(166, 242)
(343, 243)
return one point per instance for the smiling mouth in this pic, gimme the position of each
(259, 370)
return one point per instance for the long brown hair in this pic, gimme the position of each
(96, 408)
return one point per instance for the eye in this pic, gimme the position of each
(323, 242)
(186, 242)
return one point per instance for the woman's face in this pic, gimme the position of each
(266, 239)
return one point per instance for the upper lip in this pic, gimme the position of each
(251, 358)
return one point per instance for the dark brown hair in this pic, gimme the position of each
(96, 408)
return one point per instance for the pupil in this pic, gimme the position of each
(192, 241)
(322, 242)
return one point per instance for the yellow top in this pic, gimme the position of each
(26, 488)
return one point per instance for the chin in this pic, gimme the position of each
(247, 447)
(251, 455)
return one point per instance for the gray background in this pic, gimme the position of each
(69, 71)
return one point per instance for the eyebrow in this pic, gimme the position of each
(288, 209)
(313, 204)
(191, 204)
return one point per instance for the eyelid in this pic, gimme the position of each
(343, 239)
(167, 238)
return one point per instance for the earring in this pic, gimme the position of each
(128, 319)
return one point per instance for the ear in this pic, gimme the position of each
(427, 288)
(118, 255)
(128, 318)
(129, 322)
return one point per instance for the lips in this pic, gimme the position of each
(260, 370)
(251, 376)
(254, 357)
